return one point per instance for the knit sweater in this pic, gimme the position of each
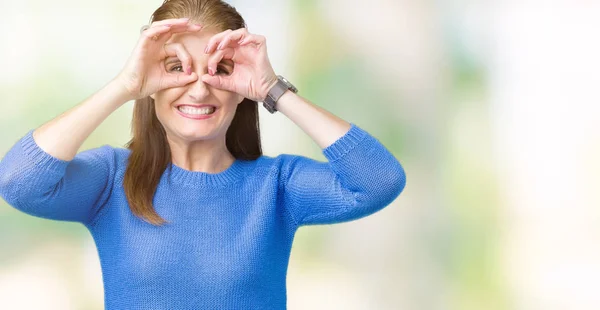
(229, 237)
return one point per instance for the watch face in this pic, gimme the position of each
(289, 85)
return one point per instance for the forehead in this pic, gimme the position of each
(192, 39)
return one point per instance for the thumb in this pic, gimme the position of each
(180, 80)
(221, 82)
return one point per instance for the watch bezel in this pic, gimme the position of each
(288, 83)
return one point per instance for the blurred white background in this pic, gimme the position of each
(492, 108)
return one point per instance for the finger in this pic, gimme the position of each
(233, 37)
(253, 38)
(153, 33)
(214, 40)
(157, 32)
(178, 80)
(166, 31)
(224, 82)
(216, 57)
(186, 27)
(177, 49)
(172, 21)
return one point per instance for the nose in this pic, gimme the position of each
(198, 91)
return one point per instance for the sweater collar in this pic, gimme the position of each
(233, 173)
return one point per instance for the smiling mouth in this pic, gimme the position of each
(204, 113)
(194, 111)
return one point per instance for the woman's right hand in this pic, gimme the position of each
(144, 73)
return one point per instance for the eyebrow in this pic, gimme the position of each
(171, 60)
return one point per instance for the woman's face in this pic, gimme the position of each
(187, 125)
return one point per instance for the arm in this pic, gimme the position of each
(360, 177)
(42, 176)
(41, 185)
(75, 126)
(322, 126)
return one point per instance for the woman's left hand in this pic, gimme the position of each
(252, 75)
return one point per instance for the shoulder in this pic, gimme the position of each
(286, 165)
(281, 161)
(107, 154)
(122, 153)
(276, 166)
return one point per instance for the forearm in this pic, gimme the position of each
(62, 136)
(322, 126)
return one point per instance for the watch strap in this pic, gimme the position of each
(276, 92)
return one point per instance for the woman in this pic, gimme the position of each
(191, 215)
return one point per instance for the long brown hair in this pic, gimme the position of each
(150, 152)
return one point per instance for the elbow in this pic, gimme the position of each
(21, 197)
(383, 193)
(393, 184)
(376, 194)
(393, 188)
(390, 188)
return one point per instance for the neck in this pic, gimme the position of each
(210, 156)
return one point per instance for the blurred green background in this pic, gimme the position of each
(491, 109)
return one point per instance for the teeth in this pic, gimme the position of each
(196, 111)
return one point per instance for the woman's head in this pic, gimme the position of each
(215, 16)
(177, 107)
(158, 121)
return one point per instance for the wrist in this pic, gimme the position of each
(270, 83)
(118, 85)
(281, 86)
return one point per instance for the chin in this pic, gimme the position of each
(197, 134)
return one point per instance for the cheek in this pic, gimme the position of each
(164, 108)
(169, 96)
(230, 99)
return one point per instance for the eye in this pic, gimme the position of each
(222, 70)
(177, 66)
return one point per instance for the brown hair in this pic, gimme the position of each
(150, 153)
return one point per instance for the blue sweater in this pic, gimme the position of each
(229, 239)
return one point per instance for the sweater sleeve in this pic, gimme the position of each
(360, 178)
(41, 185)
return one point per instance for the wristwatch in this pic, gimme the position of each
(276, 92)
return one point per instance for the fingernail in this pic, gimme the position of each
(210, 71)
(189, 70)
(168, 25)
(220, 46)
(206, 50)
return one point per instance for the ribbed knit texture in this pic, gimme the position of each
(229, 239)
